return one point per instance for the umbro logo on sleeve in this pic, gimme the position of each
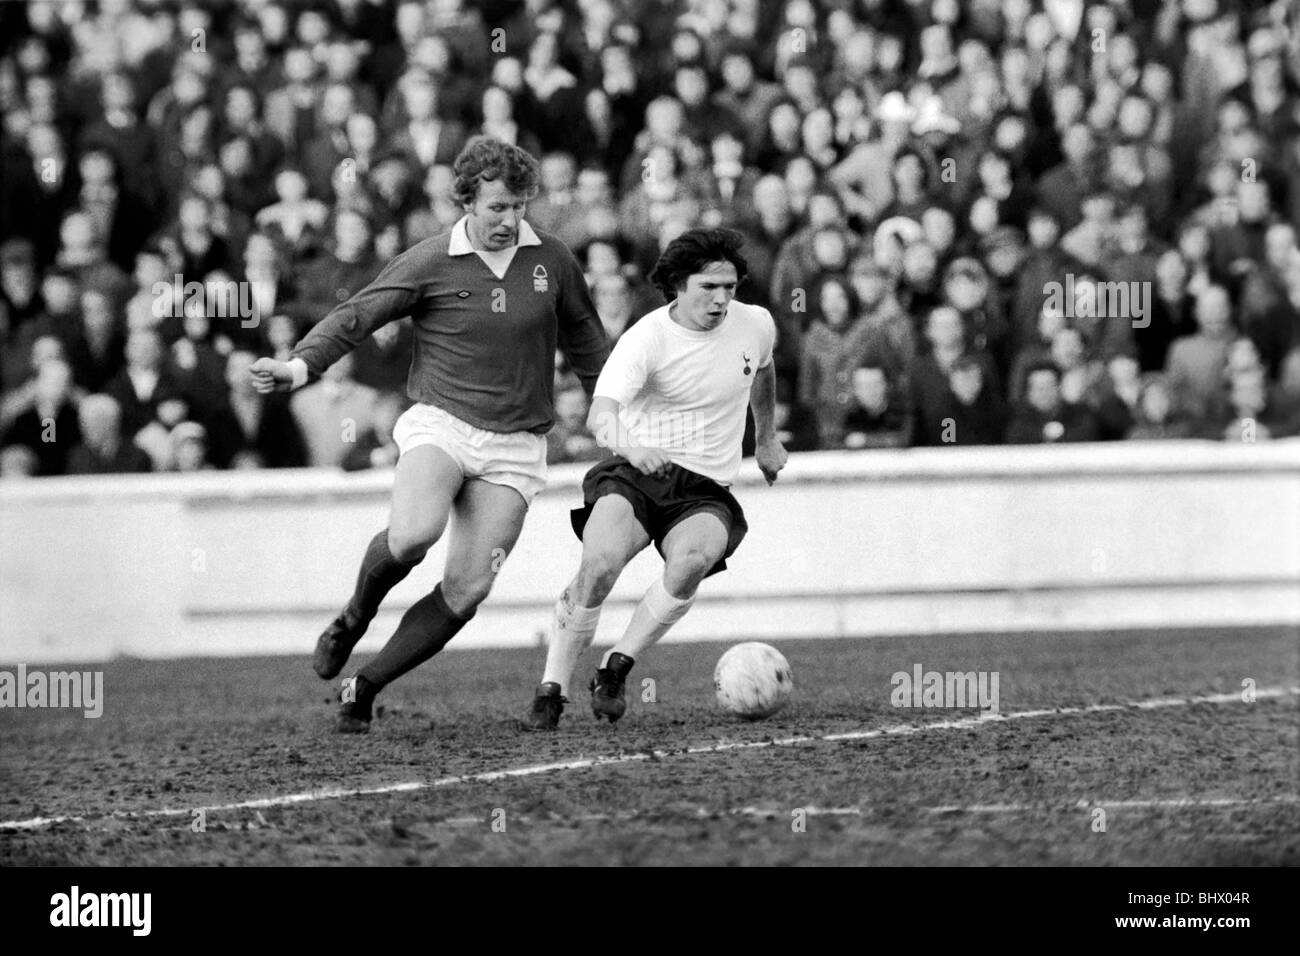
(463, 294)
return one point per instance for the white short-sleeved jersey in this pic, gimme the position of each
(685, 391)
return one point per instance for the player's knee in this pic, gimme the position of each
(686, 568)
(412, 543)
(464, 592)
(600, 569)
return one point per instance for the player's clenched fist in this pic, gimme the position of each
(648, 461)
(771, 457)
(271, 376)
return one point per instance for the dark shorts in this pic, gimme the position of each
(662, 503)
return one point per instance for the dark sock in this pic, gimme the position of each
(425, 629)
(380, 573)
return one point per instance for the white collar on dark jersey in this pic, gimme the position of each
(497, 260)
(460, 245)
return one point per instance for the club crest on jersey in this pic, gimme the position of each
(539, 279)
(746, 358)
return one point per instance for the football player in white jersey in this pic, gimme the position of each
(670, 403)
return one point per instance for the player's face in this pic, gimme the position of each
(702, 302)
(494, 217)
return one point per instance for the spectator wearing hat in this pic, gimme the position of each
(1044, 417)
(865, 176)
(102, 450)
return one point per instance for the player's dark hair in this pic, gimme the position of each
(690, 252)
(486, 159)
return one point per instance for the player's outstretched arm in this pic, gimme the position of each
(389, 297)
(768, 450)
(606, 427)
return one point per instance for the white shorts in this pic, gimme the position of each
(514, 459)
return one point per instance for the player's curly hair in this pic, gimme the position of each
(488, 159)
(690, 252)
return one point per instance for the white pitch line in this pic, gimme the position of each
(1170, 803)
(901, 730)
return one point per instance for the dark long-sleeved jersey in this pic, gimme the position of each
(484, 346)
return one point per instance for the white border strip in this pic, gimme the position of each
(902, 730)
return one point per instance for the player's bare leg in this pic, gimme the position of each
(611, 538)
(425, 482)
(691, 549)
(486, 525)
(488, 519)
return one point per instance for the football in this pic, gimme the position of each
(753, 680)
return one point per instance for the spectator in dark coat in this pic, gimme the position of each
(50, 427)
(103, 451)
(1043, 418)
(252, 430)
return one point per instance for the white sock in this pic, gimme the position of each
(657, 612)
(572, 629)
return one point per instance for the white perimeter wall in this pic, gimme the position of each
(845, 544)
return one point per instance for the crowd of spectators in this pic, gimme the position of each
(187, 186)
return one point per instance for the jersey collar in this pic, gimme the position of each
(460, 246)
